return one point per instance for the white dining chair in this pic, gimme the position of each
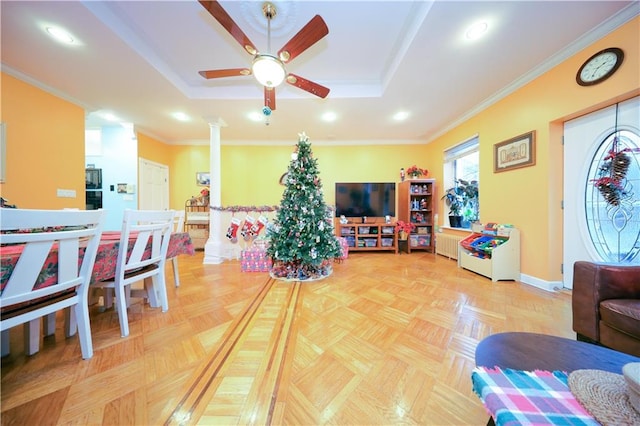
(178, 226)
(50, 244)
(142, 252)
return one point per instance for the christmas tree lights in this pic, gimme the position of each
(302, 244)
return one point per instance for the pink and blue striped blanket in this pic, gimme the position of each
(515, 397)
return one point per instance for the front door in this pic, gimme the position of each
(602, 187)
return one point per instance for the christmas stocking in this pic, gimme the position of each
(246, 227)
(257, 227)
(232, 231)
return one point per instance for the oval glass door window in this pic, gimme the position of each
(612, 206)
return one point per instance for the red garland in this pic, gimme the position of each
(261, 209)
(246, 209)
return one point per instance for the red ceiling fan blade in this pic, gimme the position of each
(270, 97)
(221, 15)
(231, 72)
(309, 86)
(305, 38)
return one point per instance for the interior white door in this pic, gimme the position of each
(154, 185)
(583, 138)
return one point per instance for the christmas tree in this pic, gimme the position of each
(302, 243)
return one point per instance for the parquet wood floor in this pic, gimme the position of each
(386, 340)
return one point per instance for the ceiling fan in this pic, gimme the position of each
(267, 68)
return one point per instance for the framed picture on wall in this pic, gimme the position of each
(203, 178)
(515, 153)
(122, 188)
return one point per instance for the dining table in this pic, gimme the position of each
(106, 258)
(104, 267)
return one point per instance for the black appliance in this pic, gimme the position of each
(93, 188)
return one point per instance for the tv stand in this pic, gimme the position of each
(369, 236)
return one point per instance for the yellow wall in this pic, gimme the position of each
(530, 197)
(250, 173)
(186, 162)
(45, 147)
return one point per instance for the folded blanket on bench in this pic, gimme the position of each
(515, 397)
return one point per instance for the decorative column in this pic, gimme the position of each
(214, 248)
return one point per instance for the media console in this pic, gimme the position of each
(369, 236)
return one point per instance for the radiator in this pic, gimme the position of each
(447, 245)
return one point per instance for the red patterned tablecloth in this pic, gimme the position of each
(105, 265)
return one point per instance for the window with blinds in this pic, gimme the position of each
(461, 162)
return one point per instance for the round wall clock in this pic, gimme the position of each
(600, 66)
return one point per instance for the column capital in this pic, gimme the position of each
(215, 120)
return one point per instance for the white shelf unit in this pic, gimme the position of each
(499, 263)
(196, 221)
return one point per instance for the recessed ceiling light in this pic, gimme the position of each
(401, 115)
(60, 34)
(108, 116)
(329, 116)
(476, 30)
(256, 116)
(180, 116)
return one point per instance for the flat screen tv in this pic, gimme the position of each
(372, 199)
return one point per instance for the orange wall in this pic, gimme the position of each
(184, 161)
(153, 150)
(530, 197)
(45, 147)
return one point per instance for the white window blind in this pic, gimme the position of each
(461, 150)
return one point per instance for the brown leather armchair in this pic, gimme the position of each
(606, 305)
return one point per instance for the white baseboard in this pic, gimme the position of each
(541, 284)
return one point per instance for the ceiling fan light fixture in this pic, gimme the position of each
(268, 70)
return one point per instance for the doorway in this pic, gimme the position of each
(602, 213)
(154, 185)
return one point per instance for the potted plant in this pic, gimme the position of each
(416, 172)
(404, 228)
(470, 205)
(462, 201)
(453, 199)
